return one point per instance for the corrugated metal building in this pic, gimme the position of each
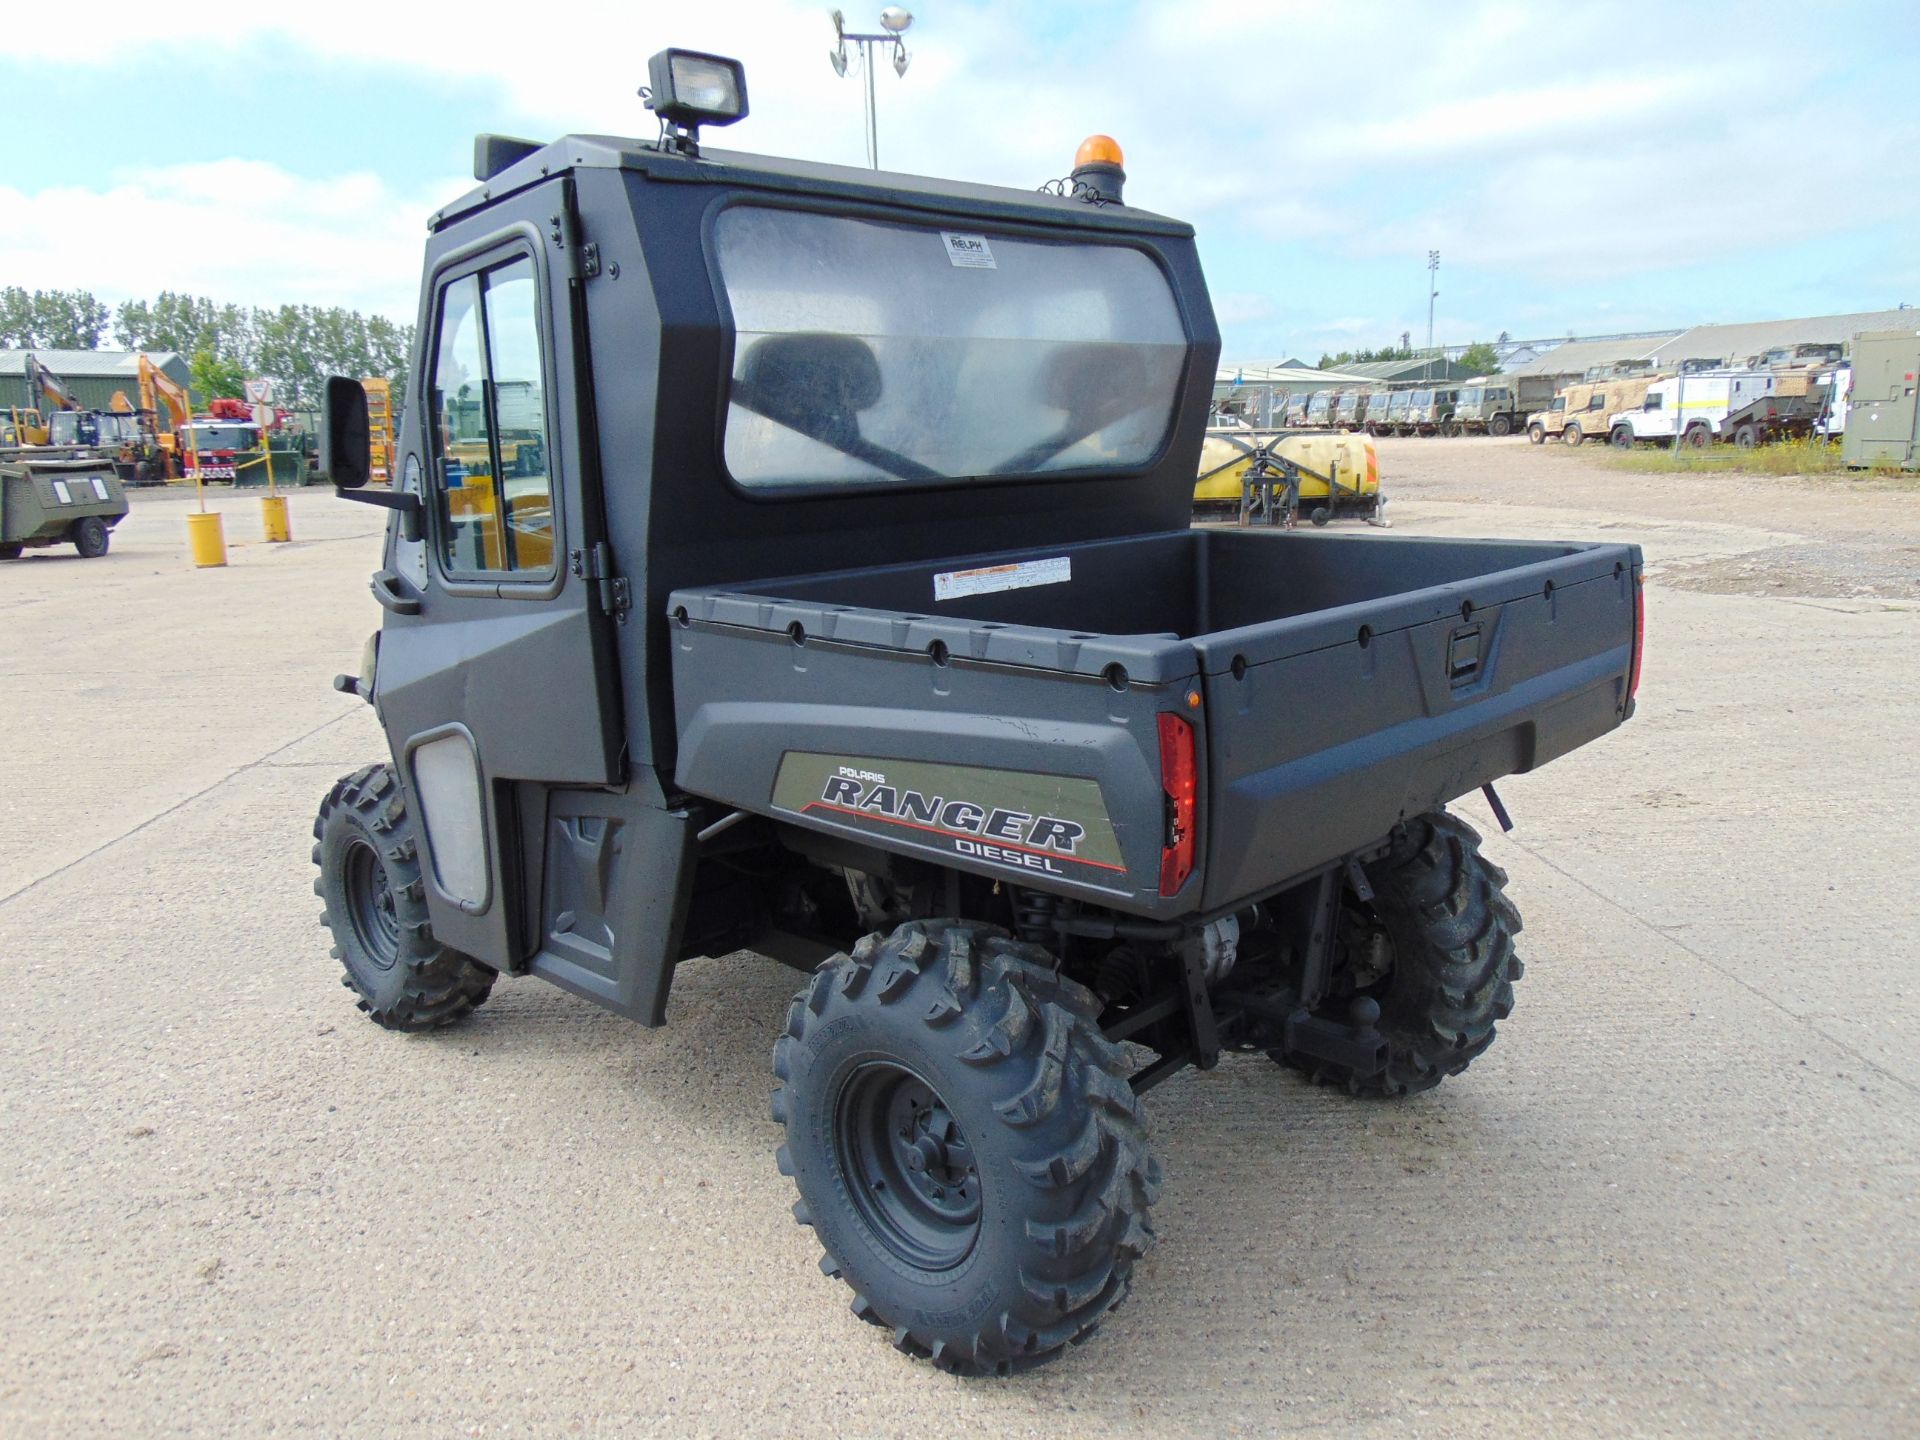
(1735, 344)
(1434, 367)
(1576, 357)
(92, 375)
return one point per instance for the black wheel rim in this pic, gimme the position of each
(370, 906)
(908, 1166)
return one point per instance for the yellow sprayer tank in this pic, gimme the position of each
(1225, 455)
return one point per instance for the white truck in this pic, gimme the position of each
(1690, 406)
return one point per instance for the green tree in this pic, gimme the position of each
(1480, 358)
(51, 319)
(217, 377)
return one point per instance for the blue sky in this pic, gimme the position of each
(1580, 168)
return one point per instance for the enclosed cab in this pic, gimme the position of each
(1296, 411)
(1430, 410)
(1351, 411)
(1585, 411)
(1486, 407)
(1387, 415)
(1320, 409)
(1692, 407)
(224, 449)
(794, 557)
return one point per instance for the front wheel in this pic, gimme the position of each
(376, 907)
(966, 1145)
(1434, 950)
(1622, 438)
(1537, 434)
(1746, 437)
(91, 537)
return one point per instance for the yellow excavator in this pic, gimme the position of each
(27, 424)
(156, 388)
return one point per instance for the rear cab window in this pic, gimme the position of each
(870, 353)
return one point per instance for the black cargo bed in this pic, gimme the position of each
(1344, 681)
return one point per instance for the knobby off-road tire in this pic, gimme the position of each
(1537, 434)
(1448, 929)
(376, 907)
(1017, 1227)
(1500, 425)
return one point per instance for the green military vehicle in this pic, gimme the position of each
(58, 502)
(1351, 411)
(1486, 407)
(862, 625)
(1882, 416)
(1430, 410)
(1321, 406)
(1387, 415)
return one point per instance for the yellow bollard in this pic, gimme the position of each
(273, 519)
(206, 539)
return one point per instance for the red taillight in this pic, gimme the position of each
(1639, 635)
(1181, 781)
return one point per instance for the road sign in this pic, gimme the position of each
(263, 416)
(259, 391)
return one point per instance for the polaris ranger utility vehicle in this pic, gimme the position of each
(852, 615)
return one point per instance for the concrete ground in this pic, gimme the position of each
(1679, 1196)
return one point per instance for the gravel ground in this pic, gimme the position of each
(1678, 1196)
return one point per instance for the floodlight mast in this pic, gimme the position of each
(894, 22)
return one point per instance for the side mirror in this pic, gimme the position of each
(345, 435)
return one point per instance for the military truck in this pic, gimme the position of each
(1430, 410)
(862, 625)
(1351, 411)
(1486, 407)
(1692, 407)
(1387, 415)
(1586, 410)
(1320, 409)
(59, 502)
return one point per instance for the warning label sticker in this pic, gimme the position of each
(954, 584)
(970, 252)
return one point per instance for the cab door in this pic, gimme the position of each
(497, 661)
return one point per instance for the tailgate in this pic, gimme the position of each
(1327, 729)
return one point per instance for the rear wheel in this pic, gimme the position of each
(11, 550)
(966, 1145)
(1573, 435)
(1434, 951)
(376, 907)
(1499, 425)
(1622, 438)
(90, 537)
(1747, 436)
(1698, 436)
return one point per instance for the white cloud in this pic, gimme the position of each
(1538, 149)
(238, 230)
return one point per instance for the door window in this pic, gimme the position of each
(494, 495)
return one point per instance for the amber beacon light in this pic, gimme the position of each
(1099, 168)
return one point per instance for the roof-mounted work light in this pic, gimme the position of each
(688, 89)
